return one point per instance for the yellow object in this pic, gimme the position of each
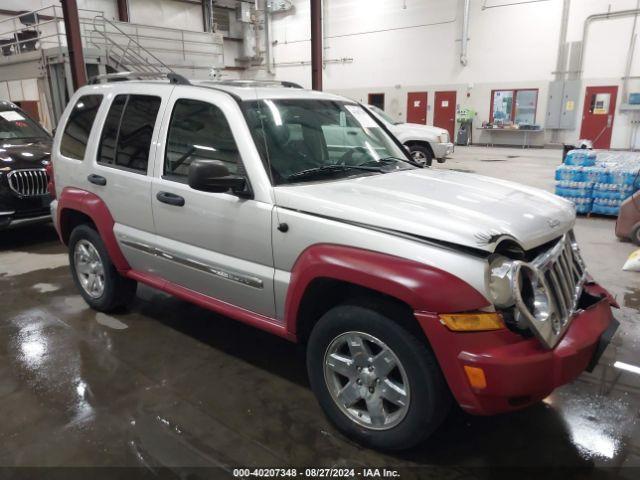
(472, 322)
(476, 376)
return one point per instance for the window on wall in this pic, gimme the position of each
(514, 106)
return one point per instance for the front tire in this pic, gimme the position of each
(95, 276)
(377, 382)
(421, 154)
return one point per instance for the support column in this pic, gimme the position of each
(123, 10)
(316, 44)
(74, 43)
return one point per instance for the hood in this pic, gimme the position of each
(464, 209)
(419, 129)
(18, 154)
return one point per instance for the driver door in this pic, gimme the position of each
(217, 244)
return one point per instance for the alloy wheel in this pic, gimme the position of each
(366, 380)
(89, 268)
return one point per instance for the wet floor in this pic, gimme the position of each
(168, 385)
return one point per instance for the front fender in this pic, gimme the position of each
(422, 287)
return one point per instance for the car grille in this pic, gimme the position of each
(564, 273)
(28, 183)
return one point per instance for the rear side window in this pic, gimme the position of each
(78, 127)
(126, 135)
(198, 131)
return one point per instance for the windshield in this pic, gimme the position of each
(302, 140)
(16, 125)
(384, 115)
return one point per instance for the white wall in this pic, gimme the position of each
(167, 13)
(396, 50)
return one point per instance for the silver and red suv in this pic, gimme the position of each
(299, 213)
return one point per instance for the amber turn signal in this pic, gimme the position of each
(472, 322)
(476, 377)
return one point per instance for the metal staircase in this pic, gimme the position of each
(33, 47)
(123, 51)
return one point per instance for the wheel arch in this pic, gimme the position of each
(423, 143)
(76, 207)
(325, 275)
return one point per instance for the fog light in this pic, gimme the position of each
(472, 322)
(476, 377)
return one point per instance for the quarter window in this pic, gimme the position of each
(126, 135)
(78, 127)
(198, 131)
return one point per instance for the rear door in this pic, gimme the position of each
(598, 115)
(216, 244)
(417, 107)
(120, 167)
(444, 111)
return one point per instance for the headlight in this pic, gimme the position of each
(502, 273)
(534, 302)
(444, 138)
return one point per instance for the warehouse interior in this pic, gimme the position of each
(538, 96)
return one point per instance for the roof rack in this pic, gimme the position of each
(258, 83)
(173, 77)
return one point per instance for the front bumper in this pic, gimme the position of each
(519, 371)
(16, 211)
(442, 150)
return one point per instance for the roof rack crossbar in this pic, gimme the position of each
(173, 77)
(249, 83)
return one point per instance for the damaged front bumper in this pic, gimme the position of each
(520, 371)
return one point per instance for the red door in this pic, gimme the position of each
(417, 107)
(598, 114)
(444, 112)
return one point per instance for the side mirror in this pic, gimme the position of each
(213, 176)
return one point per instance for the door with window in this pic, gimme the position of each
(121, 175)
(216, 244)
(444, 112)
(598, 115)
(417, 107)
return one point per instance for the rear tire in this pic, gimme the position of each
(421, 154)
(414, 396)
(95, 276)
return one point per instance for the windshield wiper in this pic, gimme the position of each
(388, 161)
(320, 171)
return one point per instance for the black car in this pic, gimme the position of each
(25, 152)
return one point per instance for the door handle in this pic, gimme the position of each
(170, 199)
(97, 180)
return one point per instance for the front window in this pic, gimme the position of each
(15, 125)
(302, 140)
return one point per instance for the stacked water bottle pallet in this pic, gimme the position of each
(598, 182)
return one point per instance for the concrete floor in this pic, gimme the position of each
(167, 384)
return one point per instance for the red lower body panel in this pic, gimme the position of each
(518, 371)
(254, 319)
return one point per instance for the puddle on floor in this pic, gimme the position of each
(110, 322)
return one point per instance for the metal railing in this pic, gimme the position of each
(127, 45)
